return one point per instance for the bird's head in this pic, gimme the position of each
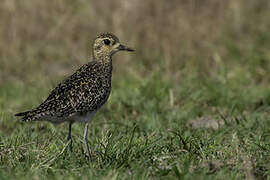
(107, 44)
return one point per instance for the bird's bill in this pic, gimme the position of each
(124, 48)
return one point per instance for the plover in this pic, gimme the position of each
(78, 97)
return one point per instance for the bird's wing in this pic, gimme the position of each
(80, 92)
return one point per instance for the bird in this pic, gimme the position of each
(78, 97)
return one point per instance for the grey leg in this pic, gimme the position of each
(86, 140)
(69, 136)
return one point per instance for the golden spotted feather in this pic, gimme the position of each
(84, 91)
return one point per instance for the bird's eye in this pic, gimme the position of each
(107, 41)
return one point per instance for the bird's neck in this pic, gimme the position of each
(102, 57)
(104, 63)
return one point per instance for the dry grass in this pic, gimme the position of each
(36, 35)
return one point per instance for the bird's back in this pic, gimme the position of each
(83, 92)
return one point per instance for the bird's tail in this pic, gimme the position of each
(26, 116)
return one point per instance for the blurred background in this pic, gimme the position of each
(54, 38)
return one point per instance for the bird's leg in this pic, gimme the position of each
(69, 136)
(86, 140)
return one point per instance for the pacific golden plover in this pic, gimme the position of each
(79, 96)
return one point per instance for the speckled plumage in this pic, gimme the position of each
(80, 95)
(84, 91)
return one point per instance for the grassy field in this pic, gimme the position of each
(192, 104)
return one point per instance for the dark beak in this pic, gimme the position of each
(124, 48)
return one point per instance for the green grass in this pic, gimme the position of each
(143, 132)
